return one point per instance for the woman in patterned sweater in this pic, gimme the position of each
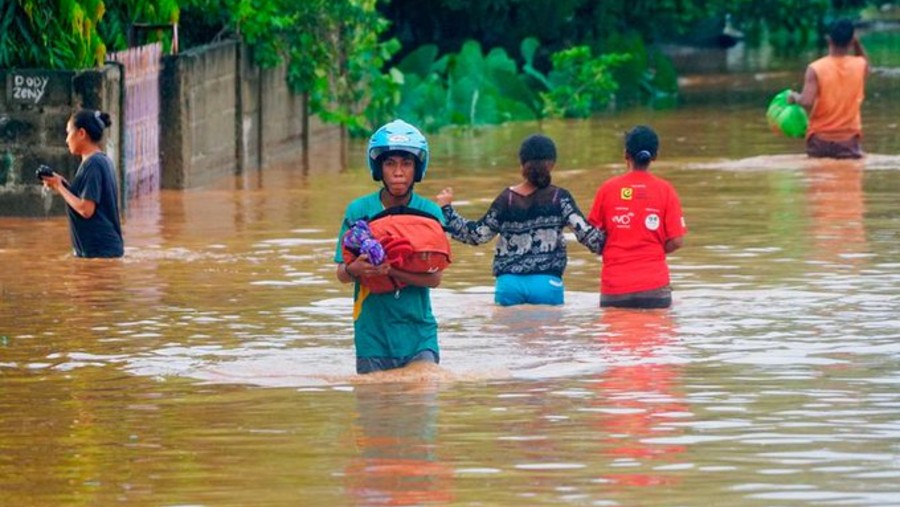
(530, 256)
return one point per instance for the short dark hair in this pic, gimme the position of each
(537, 147)
(641, 144)
(537, 156)
(841, 32)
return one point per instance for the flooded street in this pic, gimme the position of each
(213, 365)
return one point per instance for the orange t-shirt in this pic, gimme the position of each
(835, 114)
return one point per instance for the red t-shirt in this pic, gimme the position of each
(639, 212)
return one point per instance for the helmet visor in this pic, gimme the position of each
(377, 152)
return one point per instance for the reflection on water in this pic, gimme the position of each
(212, 365)
(395, 433)
(637, 395)
(837, 209)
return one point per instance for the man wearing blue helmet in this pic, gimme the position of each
(393, 329)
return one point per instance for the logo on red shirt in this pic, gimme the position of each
(627, 193)
(624, 219)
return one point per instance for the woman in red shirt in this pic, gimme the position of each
(642, 216)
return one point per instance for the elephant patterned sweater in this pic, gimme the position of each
(530, 228)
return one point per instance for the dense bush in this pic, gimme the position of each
(560, 24)
(472, 87)
(63, 35)
(332, 48)
(466, 62)
(72, 34)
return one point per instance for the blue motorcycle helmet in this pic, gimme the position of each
(397, 136)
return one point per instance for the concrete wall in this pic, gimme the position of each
(197, 116)
(34, 108)
(222, 116)
(283, 116)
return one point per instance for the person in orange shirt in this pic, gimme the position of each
(833, 91)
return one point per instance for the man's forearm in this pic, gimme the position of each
(418, 279)
(859, 49)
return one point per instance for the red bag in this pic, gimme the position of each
(413, 241)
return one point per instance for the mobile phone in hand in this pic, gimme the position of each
(43, 172)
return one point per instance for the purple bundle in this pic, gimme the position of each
(360, 241)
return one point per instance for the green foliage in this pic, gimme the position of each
(485, 89)
(467, 88)
(345, 80)
(561, 24)
(647, 76)
(788, 24)
(580, 83)
(528, 48)
(262, 24)
(120, 14)
(59, 35)
(423, 94)
(471, 88)
(332, 50)
(73, 34)
(883, 47)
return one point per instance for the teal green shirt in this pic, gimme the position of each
(394, 324)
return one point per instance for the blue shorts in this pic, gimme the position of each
(529, 289)
(373, 364)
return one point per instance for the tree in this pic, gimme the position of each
(332, 50)
(55, 35)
